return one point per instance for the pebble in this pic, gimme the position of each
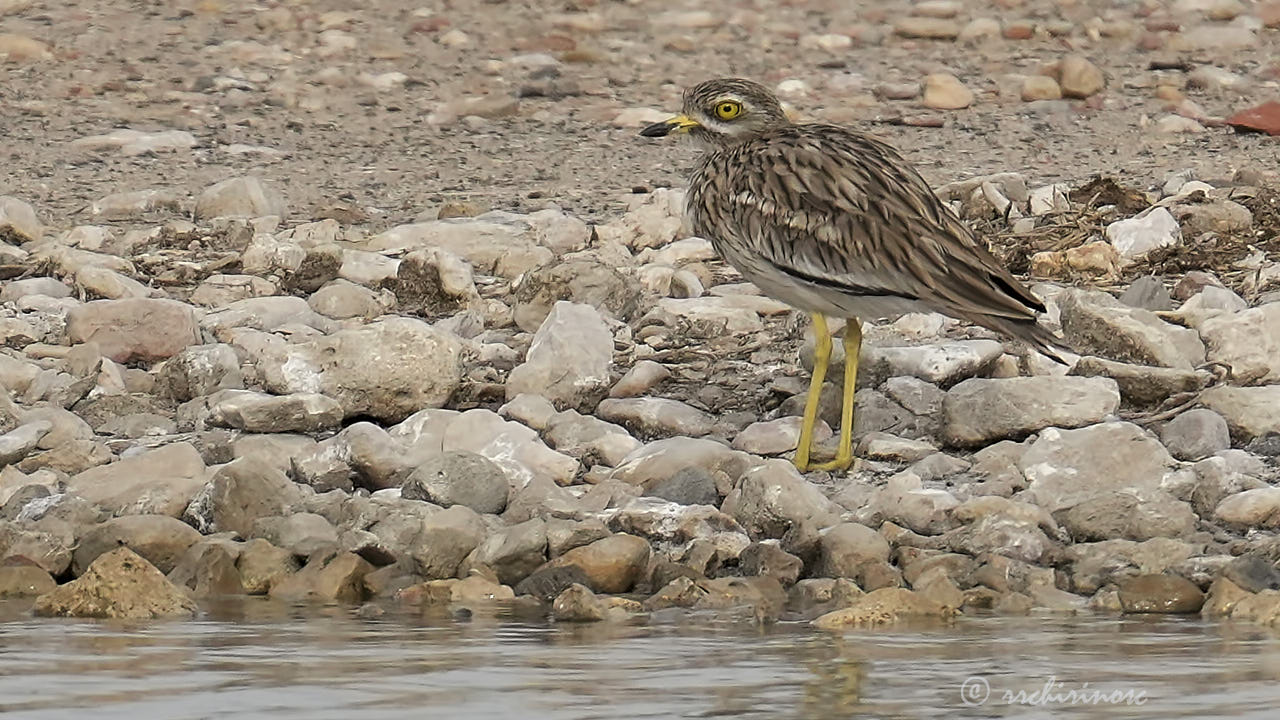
(1040, 87)
(655, 417)
(774, 437)
(943, 91)
(1078, 77)
(929, 27)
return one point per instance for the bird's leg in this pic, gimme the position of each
(852, 346)
(821, 358)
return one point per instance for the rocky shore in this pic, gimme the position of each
(259, 376)
(526, 408)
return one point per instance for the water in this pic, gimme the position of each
(258, 661)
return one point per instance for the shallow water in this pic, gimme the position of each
(266, 662)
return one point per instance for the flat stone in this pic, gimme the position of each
(160, 539)
(134, 329)
(774, 437)
(1102, 325)
(1141, 385)
(655, 417)
(978, 411)
(943, 364)
(161, 481)
(259, 412)
(119, 584)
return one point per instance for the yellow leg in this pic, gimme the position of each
(821, 358)
(852, 346)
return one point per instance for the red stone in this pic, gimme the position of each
(1262, 118)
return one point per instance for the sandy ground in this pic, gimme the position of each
(298, 82)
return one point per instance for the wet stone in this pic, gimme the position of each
(1169, 594)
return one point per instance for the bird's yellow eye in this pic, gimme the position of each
(728, 109)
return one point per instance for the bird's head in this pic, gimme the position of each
(723, 112)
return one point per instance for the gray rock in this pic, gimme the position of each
(387, 369)
(774, 496)
(1141, 385)
(541, 498)
(136, 204)
(1250, 412)
(688, 486)
(583, 278)
(943, 364)
(514, 447)
(446, 538)
(134, 329)
(766, 559)
(1147, 293)
(651, 417)
(494, 243)
(1218, 216)
(161, 481)
(161, 539)
(591, 440)
(845, 549)
(1248, 341)
(1065, 468)
(431, 282)
(640, 379)
(243, 492)
(1134, 237)
(259, 412)
(342, 299)
(15, 290)
(239, 197)
(904, 500)
(1096, 322)
(276, 450)
(546, 583)
(565, 535)
(532, 410)
(1090, 566)
(1196, 434)
(1160, 593)
(200, 370)
(119, 584)
(379, 460)
(18, 581)
(219, 291)
(774, 437)
(459, 478)
(19, 442)
(103, 283)
(49, 550)
(514, 553)
(304, 534)
(208, 569)
(658, 461)
(978, 411)
(570, 359)
(1129, 516)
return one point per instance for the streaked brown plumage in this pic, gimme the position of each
(835, 222)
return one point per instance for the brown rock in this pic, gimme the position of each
(339, 579)
(261, 564)
(159, 539)
(119, 584)
(134, 329)
(245, 491)
(578, 604)
(1260, 118)
(944, 91)
(885, 606)
(1078, 77)
(1040, 87)
(612, 565)
(1158, 593)
(208, 569)
(24, 581)
(1222, 599)
(160, 481)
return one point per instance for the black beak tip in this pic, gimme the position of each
(661, 129)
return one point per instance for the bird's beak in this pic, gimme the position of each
(677, 124)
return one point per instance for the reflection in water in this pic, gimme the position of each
(256, 659)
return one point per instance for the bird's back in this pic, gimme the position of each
(838, 222)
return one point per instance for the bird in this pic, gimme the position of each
(836, 223)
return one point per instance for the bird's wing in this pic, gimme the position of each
(845, 211)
